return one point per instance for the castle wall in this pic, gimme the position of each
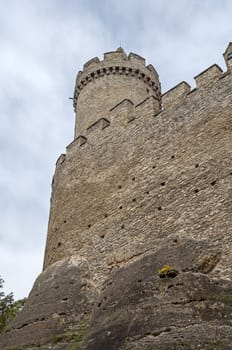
(141, 186)
(146, 176)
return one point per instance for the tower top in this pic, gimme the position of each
(104, 83)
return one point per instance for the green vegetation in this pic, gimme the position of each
(223, 298)
(167, 271)
(8, 307)
(75, 337)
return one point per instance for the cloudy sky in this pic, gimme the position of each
(43, 44)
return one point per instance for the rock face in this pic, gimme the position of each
(57, 308)
(139, 243)
(139, 310)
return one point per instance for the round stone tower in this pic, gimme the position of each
(103, 84)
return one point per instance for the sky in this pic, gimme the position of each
(43, 44)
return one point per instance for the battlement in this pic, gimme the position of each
(204, 81)
(125, 111)
(206, 78)
(117, 63)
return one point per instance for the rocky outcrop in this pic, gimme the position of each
(57, 310)
(139, 310)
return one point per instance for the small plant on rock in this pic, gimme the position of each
(167, 271)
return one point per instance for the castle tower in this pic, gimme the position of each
(138, 252)
(108, 92)
(103, 84)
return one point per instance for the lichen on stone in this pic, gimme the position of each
(167, 271)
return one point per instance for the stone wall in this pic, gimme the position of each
(140, 176)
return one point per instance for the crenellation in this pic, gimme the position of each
(175, 95)
(91, 63)
(117, 55)
(148, 107)
(123, 112)
(127, 77)
(228, 57)
(76, 144)
(137, 59)
(100, 124)
(61, 159)
(209, 76)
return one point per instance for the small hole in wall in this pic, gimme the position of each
(197, 166)
(89, 225)
(172, 157)
(162, 184)
(62, 314)
(133, 178)
(148, 91)
(213, 183)
(196, 190)
(231, 173)
(106, 215)
(147, 192)
(134, 199)
(102, 236)
(122, 226)
(119, 187)
(59, 244)
(153, 167)
(159, 208)
(65, 221)
(120, 207)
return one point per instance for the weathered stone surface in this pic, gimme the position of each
(59, 304)
(139, 310)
